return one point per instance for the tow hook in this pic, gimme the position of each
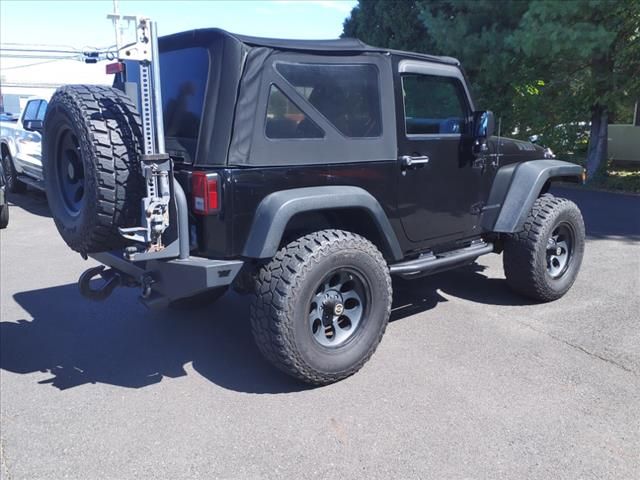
(111, 280)
(147, 283)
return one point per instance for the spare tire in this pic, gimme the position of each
(91, 145)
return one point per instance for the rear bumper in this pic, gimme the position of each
(163, 281)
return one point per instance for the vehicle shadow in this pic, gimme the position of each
(32, 201)
(468, 283)
(119, 342)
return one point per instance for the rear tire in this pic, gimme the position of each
(321, 306)
(93, 179)
(13, 185)
(542, 261)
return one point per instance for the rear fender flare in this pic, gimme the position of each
(276, 209)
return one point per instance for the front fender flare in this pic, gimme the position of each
(517, 186)
(276, 209)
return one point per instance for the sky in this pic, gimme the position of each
(81, 24)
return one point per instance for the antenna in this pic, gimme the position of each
(497, 162)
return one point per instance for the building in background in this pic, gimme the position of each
(28, 76)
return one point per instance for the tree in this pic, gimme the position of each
(592, 51)
(477, 32)
(388, 24)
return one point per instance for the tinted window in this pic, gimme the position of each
(32, 110)
(42, 110)
(433, 104)
(184, 76)
(286, 120)
(346, 94)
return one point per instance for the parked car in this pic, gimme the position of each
(305, 174)
(8, 117)
(21, 147)
(4, 204)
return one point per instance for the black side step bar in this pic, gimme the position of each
(431, 263)
(38, 184)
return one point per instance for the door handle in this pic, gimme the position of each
(409, 161)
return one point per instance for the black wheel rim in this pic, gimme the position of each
(560, 250)
(69, 171)
(338, 307)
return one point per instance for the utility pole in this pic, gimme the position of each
(117, 24)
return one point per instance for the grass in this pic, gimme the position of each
(616, 178)
(619, 181)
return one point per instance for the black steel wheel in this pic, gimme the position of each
(321, 306)
(560, 249)
(338, 307)
(69, 171)
(542, 261)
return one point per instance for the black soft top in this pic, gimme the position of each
(237, 92)
(347, 46)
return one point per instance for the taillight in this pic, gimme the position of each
(117, 67)
(205, 193)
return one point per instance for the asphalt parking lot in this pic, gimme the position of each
(470, 381)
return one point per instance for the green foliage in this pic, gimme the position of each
(541, 65)
(388, 24)
(619, 180)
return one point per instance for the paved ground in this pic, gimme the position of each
(470, 381)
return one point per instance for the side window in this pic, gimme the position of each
(286, 120)
(433, 105)
(42, 110)
(347, 95)
(31, 110)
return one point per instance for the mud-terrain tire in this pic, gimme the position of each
(13, 185)
(321, 306)
(91, 143)
(542, 261)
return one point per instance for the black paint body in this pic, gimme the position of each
(433, 206)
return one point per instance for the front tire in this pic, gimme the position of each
(542, 261)
(11, 178)
(4, 216)
(321, 306)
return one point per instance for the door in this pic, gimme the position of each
(439, 177)
(29, 143)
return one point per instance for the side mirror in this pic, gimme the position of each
(33, 125)
(484, 124)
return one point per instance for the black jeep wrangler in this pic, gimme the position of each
(304, 173)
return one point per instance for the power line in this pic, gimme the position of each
(38, 63)
(43, 57)
(39, 50)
